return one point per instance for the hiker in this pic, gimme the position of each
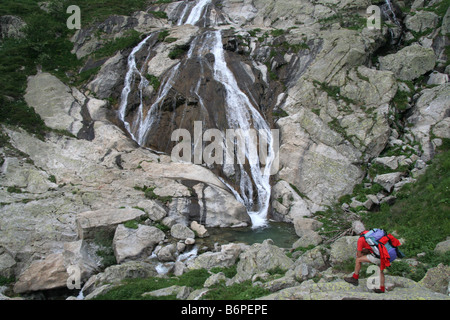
(377, 247)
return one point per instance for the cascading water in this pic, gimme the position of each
(240, 113)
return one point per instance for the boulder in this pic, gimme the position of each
(442, 247)
(181, 232)
(115, 274)
(401, 289)
(45, 274)
(410, 62)
(11, 27)
(219, 208)
(421, 21)
(131, 243)
(261, 257)
(437, 279)
(288, 203)
(430, 117)
(343, 249)
(445, 29)
(81, 254)
(308, 238)
(316, 258)
(167, 253)
(388, 180)
(55, 102)
(181, 292)
(7, 264)
(390, 162)
(105, 220)
(199, 229)
(214, 279)
(302, 225)
(225, 258)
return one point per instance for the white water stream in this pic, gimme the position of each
(241, 113)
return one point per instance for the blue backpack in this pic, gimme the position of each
(375, 237)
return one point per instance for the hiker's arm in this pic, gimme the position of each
(359, 254)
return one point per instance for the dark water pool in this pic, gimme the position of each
(282, 234)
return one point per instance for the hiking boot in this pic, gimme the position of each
(352, 280)
(378, 291)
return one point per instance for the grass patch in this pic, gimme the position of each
(131, 39)
(154, 81)
(46, 44)
(238, 291)
(420, 215)
(132, 289)
(178, 51)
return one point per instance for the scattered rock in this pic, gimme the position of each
(421, 21)
(11, 27)
(410, 62)
(442, 247)
(104, 220)
(180, 231)
(260, 258)
(49, 273)
(437, 279)
(303, 225)
(388, 180)
(131, 243)
(199, 229)
(343, 249)
(225, 258)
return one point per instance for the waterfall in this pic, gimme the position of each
(240, 113)
(392, 13)
(196, 12)
(129, 82)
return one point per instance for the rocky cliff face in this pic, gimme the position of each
(339, 94)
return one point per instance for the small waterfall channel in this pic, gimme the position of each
(241, 113)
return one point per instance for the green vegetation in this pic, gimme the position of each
(420, 215)
(150, 194)
(154, 81)
(178, 51)
(159, 14)
(349, 20)
(105, 240)
(132, 289)
(131, 39)
(46, 45)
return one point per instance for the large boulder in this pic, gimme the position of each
(410, 62)
(113, 275)
(261, 257)
(129, 243)
(105, 220)
(437, 279)
(399, 289)
(421, 21)
(57, 104)
(49, 273)
(219, 208)
(11, 27)
(430, 118)
(343, 249)
(225, 258)
(180, 231)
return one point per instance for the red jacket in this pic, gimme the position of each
(384, 254)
